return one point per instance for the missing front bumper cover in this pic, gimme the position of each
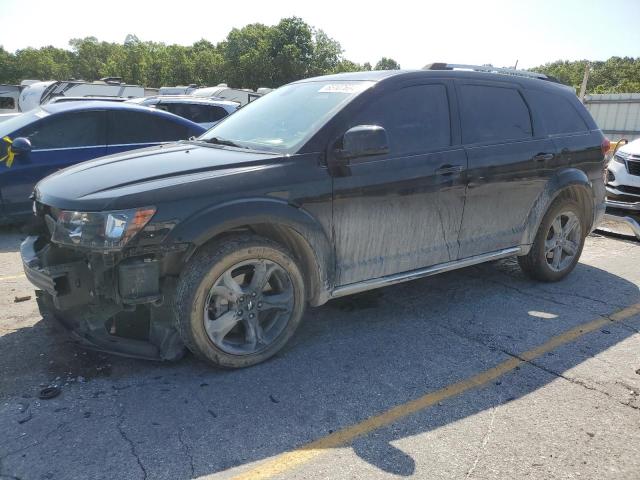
(116, 325)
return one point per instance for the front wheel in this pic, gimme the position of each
(558, 244)
(239, 301)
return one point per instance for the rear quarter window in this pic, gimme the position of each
(558, 115)
(493, 114)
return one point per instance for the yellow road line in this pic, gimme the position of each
(289, 460)
(12, 277)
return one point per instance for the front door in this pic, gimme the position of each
(401, 211)
(57, 141)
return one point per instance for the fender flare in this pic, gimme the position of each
(213, 221)
(570, 177)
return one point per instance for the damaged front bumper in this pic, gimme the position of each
(114, 304)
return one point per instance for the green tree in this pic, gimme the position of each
(387, 64)
(8, 70)
(326, 54)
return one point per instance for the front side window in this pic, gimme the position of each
(289, 116)
(126, 127)
(493, 114)
(66, 130)
(416, 118)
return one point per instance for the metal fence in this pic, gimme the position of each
(617, 114)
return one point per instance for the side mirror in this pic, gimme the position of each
(21, 145)
(364, 140)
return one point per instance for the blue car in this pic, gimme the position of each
(44, 140)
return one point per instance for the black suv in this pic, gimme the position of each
(323, 188)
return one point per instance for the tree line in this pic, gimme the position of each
(253, 56)
(615, 75)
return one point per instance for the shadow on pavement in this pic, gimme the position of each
(351, 359)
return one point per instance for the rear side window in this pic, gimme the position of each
(139, 127)
(416, 118)
(493, 114)
(67, 130)
(195, 113)
(558, 115)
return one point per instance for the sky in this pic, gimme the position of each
(414, 33)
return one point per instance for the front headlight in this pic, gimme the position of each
(619, 157)
(100, 230)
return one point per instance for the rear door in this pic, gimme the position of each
(57, 141)
(509, 163)
(128, 130)
(402, 211)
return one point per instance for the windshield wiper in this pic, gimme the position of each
(224, 141)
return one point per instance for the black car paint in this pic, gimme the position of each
(347, 221)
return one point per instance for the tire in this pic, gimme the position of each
(539, 262)
(214, 317)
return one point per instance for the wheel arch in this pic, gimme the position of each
(293, 227)
(570, 183)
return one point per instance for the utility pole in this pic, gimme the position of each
(585, 79)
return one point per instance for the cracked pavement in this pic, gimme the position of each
(573, 412)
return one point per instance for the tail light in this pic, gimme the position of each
(605, 146)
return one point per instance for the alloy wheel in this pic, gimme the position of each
(248, 306)
(563, 241)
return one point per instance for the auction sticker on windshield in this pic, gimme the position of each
(345, 87)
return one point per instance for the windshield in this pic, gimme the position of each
(284, 119)
(13, 124)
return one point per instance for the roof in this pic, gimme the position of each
(91, 105)
(372, 75)
(380, 75)
(192, 99)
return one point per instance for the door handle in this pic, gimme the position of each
(449, 169)
(543, 157)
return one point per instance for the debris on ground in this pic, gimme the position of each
(24, 298)
(25, 411)
(48, 393)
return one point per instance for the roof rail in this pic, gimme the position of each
(489, 69)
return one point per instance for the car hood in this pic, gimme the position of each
(108, 181)
(631, 148)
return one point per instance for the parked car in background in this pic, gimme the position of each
(64, 99)
(39, 142)
(9, 96)
(177, 90)
(39, 93)
(7, 116)
(623, 186)
(325, 187)
(203, 111)
(239, 95)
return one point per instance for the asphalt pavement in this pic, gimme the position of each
(479, 373)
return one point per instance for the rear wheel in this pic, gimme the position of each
(558, 243)
(239, 301)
